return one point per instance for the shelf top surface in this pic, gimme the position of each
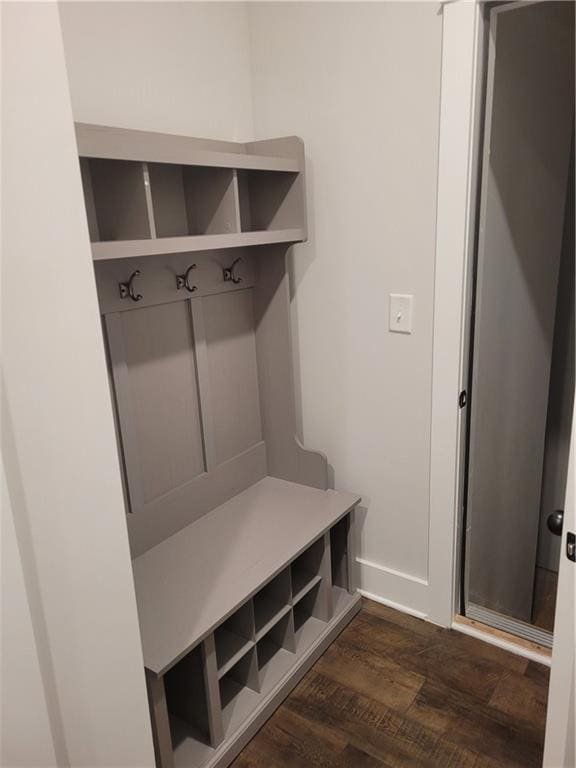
(189, 583)
(115, 143)
(124, 249)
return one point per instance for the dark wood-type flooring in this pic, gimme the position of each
(394, 691)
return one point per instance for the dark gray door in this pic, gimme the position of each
(528, 128)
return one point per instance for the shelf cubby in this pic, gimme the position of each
(239, 692)
(234, 638)
(192, 200)
(186, 699)
(275, 653)
(271, 603)
(152, 194)
(339, 550)
(190, 747)
(307, 624)
(305, 570)
(116, 198)
(269, 200)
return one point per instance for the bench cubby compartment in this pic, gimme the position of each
(271, 603)
(340, 553)
(275, 652)
(308, 624)
(186, 699)
(239, 692)
(306, 570)
(234, 638)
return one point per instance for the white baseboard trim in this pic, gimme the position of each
(398, 590)
(391, 604)
(487, 637)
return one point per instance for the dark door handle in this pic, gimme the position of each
(555, 522)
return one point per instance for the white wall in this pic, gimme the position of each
(360, 82)
(25, 736)
(67, 554)
(179, 67)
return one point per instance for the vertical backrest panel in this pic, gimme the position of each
(162, 375)
(187, 401)
(231, 346)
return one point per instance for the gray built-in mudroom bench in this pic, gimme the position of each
(242, 555)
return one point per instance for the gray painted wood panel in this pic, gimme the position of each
(527, 146)
(189, 583)
(125, 412)
(210, 201)
(120, 200)
(157, 280)
(268, 200)
(160, 722)
(231, 352)
(188, 409)
(162, 379)
(293, 147)
(167, 192)
(212, 689)
(125, 144)
(149, 203)
(287, 458)
(128, 249)
(204, 384)
(182, 506)
(89, 199)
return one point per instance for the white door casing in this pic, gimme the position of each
(559, 751)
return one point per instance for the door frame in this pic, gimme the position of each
(464, 34)
(464, 38)
(464, 63)
(559, 742)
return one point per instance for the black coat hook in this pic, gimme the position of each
(183, 281)
(228, 272)
(127, 288)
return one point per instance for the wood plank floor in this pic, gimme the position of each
(396, 691)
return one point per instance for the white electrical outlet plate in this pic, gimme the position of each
(401, 313)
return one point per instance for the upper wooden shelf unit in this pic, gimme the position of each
(153, 193)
